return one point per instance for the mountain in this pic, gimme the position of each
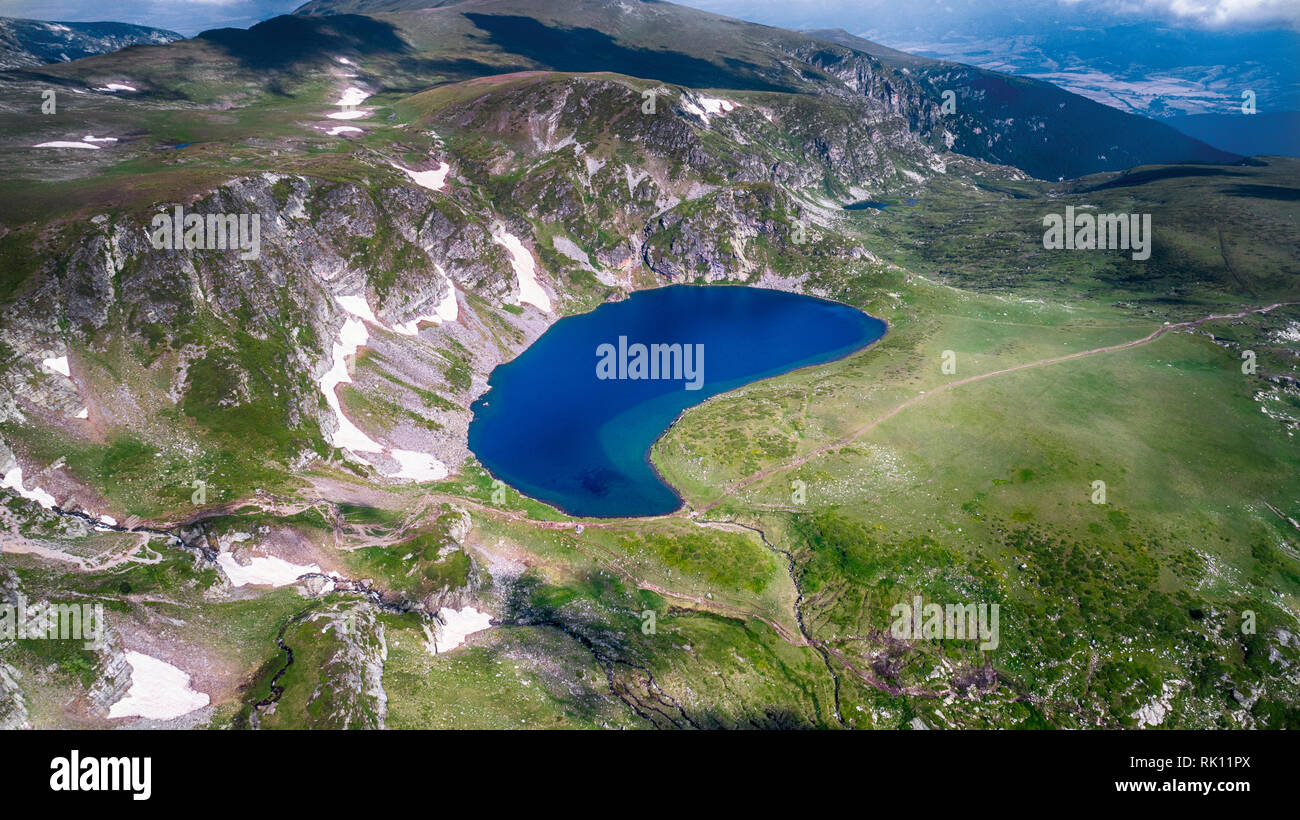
(1034, 125)
(1158, 71)
(187, 18)
(1266, 132)
(1000, 118)
(1159, 60)
(257, 457)
(1028, 124)
(35, 42)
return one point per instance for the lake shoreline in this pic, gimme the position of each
(572, 460)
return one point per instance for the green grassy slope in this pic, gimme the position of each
(752, 607)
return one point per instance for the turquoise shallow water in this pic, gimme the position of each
(550, 427)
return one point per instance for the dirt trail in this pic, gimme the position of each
(604, 556)
(802, 460)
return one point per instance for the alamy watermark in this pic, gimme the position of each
(949, 105)
(654, 361)
(953, 622)
(42, 620)
(213, 232)
(75, 773)
(1087, 232)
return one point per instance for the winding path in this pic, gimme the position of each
(802, 460)
(804, 637)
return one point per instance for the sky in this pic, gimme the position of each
(893, 19)
(1159, 58)
(936, 14)
(187, 17)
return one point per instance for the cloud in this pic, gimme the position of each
(188, 17)
(1205, 13)
(1213, 14)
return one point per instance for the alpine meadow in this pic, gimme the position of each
(616, 364)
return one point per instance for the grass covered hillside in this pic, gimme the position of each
(259, 466)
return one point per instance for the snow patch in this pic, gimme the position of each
(352, 97)
(718, 106)
(707, 107)
(348, 435)
(263, 570)
(447, 310)
(66, 144)
(434, 180)
(530, 290)
(13, 480)
(158, 690)
(358, 307)
(418, 466)
(413, 465)
(58, 365)
(456, 626)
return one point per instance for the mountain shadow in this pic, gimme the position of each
(283, 41)
(1155, 174)
(587, 49)
(1276, 192)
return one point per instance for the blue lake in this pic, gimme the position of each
(865, 204)
(552, 428)
(910, 202)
